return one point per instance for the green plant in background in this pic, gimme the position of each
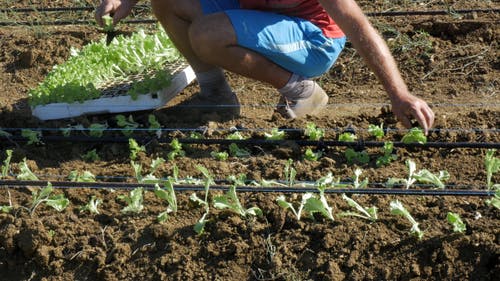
(96, 130)
(196, 136)
(199, 227)
(6, 164)
(236, 136)
(414, 135)
(397, 208)
(66, 132)
(32, 136)
(388, 156)
(25, 172)
(135, 148)
(230, 200)
(134, 201)
(457, 223)
(492, 165)
(376, 131)
(236, 151)
(310, 155)
(176, 151)
(92, 206)
(58, 202)
(86, 176)
(154, 125)
(90, 156)
(128, 125)
(352, 156)
(276, 134)
(313, 132)
(361, 212)
(219, 155)
(347, 137)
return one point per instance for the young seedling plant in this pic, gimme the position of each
(425, 176)
(90, 156)
(6, 164)
(313, 132)
(96, 130)
(457, 223)
(281, 200)
(492, 165)
(387, 156)
(135, 148)
(92, 206)
(415, 135)
(167, 194)
(149, 178)
(376, 131)
(397, 208)
(356, 179)
(134, 201)
(5, 172)
(25, 172)
(412, 167)
(128, 125)
(361, 212)
(176, 151)
(199, 227)
(276, 134)
(32, 136)
(86, 176)
(230, 200)
(58, 202)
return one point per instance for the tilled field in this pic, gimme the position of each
(452, 61)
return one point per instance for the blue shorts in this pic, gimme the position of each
(295, 44)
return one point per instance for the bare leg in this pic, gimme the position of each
(209, 41)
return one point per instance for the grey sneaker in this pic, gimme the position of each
(303, 106)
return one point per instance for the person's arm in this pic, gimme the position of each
(119, 8)
(372, 47)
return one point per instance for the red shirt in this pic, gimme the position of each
(310, 10)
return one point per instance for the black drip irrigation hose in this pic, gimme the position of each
(72, 22)
(146, 21)
(59, 9)
(252, 142)
(254, 189)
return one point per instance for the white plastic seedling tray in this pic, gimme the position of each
(182, 76)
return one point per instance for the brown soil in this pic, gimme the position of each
(451, 61)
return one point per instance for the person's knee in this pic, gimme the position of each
(211, 32)
(201, 36)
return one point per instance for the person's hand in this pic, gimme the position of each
(119, 8)
(407, 107)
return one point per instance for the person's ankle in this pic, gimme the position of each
(298, 87)
(213, 83)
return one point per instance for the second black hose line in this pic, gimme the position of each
(254, 189)
(252, 142)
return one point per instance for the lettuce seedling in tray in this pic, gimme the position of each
(136, 64)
